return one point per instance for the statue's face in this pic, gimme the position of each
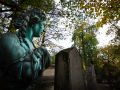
(38, 28)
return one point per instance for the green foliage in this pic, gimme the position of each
(107, 64)
(107, 10)
(45, 5)
(19, 5)
(112, 53)
(0, 31)
(53, 59)
(84, 38)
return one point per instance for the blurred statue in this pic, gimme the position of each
(20, 61)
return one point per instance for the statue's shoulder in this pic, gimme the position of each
(8, 38)
(8, 35)
(10, 46)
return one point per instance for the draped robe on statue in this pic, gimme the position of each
(20, 61)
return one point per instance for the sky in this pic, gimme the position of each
(65, 43)
(101, 36)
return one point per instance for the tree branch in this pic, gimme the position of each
(7, 10)
(14, 6)
(5, 3)
(115, 26)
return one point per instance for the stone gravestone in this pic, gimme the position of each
(91, 78)
(68, 70)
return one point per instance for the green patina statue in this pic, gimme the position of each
(20, 61)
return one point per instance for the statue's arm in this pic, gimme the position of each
(44, 55)
(39, 59)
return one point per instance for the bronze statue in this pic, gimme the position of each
(20, 61)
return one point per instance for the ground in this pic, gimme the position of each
(46, 82)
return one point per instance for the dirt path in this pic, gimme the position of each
(46, 82)
(48, 79)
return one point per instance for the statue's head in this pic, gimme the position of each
(33, 18)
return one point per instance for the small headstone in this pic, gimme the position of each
(91, 78)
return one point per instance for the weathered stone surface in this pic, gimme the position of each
(91, 78)
(69, 71)
(76, 70)
(61, 72)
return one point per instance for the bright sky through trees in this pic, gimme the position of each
(102, 38)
